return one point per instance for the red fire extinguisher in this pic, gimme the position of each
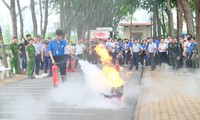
(117, 66)
(73, 66)
(67, 67)
(55, 75)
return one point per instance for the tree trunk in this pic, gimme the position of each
(188, 16)
(179, 18)
(154, 19)
(72, 18)
(14, 17)
(158, 23)
(11, 8)
(3, 50)
(41, 16)
(61, 6)
(33, 17)
(163, 21)
(170, 19)
(44, 29)
(21, 19)
(198, 25)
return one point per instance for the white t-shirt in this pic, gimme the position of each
(79, 48)
(151, 47)
(68, 51)
(136, 48)
(163, 47)
(38, 48)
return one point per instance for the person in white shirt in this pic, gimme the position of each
(136, 52)
(38, 55)
(162, 48)
(79, 50)
(151, 51)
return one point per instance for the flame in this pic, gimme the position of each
(112, 76)
(103, 53)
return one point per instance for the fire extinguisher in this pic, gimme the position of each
(55, 75)
(117, 66)
(73, 66)
(68, 64)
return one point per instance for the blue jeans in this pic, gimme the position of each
(24, 62)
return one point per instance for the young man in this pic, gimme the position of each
(45, 57)
(151, 51)
(28, 37)
(79, 48)
(174, 53)
(14, 55)
(136, 52)
(38, 56)
(162, 51)
(56, 52)
(30, 54)
(23, 54)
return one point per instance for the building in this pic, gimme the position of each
(139, 31)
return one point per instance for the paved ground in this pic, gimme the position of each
(36, 100)
(169, 95)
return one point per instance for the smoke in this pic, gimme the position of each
(85, 90)
(165, 83)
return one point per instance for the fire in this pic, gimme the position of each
(112, 76)
(103, 53)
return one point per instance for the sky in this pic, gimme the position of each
(5, 18)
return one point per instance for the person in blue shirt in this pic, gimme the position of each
(56, 52)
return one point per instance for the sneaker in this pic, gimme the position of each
(49, 75)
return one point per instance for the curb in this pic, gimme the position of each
(12, 79)
(138, 102)
(144, 108)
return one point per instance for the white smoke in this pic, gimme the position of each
(85, 90)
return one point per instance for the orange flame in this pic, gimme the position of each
(112, 76)
(103, 53)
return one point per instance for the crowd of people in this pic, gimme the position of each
(39, 54)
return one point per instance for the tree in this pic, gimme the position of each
(170, 19)
(46, 15)
(198, 25)
(188, 16)
(179, 18)
(20, 18)
(83, 16)
(3, 50)
(12, 10)
(33, 17)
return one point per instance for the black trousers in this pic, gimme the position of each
(61, 60)
(135, 60)
(162, 57)
(37, 63)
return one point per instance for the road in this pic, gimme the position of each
(36, 99)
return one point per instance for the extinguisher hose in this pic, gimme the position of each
(64, 60)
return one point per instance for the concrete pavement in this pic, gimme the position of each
(33, 100)
(169, 95)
